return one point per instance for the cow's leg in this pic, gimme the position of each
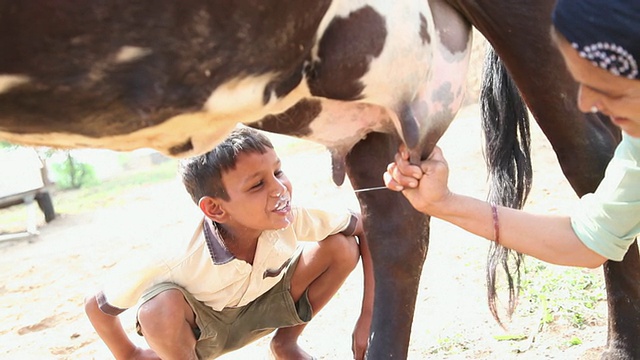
(583, 143)
(398, 239)
(623, 295)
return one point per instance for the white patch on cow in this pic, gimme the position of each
(392, 81)
(342, 124)
(7, 82)
(443, 92)
(131, 53)
(244, 98)
(238, 95)
(415, 77)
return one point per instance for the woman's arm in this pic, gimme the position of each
(548, 238)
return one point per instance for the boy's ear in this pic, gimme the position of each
(212, 208)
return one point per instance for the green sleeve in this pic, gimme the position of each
(608, 220)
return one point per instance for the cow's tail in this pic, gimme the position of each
(505, 122)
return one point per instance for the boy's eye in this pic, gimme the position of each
(256, 186)
(279, 173)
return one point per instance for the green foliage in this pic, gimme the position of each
(454, 344)
(7, 145)
(575, 341)
(112, 191)
(72, 174)
(562, 293)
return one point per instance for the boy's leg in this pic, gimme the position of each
(167, 322)
(321, 270)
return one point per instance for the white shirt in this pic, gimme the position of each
(207, 270)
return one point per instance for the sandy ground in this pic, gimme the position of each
(44, 279)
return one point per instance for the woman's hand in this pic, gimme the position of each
(425, 186)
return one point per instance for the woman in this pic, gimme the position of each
(600, 43)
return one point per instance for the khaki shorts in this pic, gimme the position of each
(223, 331)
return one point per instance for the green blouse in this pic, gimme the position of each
(608, 220)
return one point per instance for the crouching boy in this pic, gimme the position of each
(243, 273)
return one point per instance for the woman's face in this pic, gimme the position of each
(615, 96)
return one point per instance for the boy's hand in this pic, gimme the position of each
(360, 337)
(144, 354)
(424, 186)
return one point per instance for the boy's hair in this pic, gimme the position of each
(202, 174)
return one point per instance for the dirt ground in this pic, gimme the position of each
(44, 279)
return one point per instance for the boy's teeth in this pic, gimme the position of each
(281, 206)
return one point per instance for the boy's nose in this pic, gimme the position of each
(278, 190)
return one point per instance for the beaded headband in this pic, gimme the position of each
(604, 32)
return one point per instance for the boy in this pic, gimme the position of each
(240, 276)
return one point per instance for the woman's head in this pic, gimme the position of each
(600, 42)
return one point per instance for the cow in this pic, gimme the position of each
(359, 76)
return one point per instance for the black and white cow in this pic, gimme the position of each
(178, 76)
(358, 76)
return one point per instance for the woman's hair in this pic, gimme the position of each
(604, 32)
(202, 174)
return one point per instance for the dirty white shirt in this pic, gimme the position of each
(207, 270)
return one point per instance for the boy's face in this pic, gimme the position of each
(259, 192)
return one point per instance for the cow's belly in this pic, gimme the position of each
(376, 66)
(414, 80)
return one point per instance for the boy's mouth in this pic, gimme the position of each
(282, 204)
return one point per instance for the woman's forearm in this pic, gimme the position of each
(546, 237)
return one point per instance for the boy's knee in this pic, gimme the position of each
(162, 313)
(90, 303)
(344, 249)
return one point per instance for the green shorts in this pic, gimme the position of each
(223, 331)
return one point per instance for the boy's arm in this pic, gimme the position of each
(112, 333)
(361, 332)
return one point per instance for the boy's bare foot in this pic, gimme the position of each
(287, 350)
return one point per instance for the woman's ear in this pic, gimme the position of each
(212, 208)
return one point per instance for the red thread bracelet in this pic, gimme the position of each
(496, 224)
